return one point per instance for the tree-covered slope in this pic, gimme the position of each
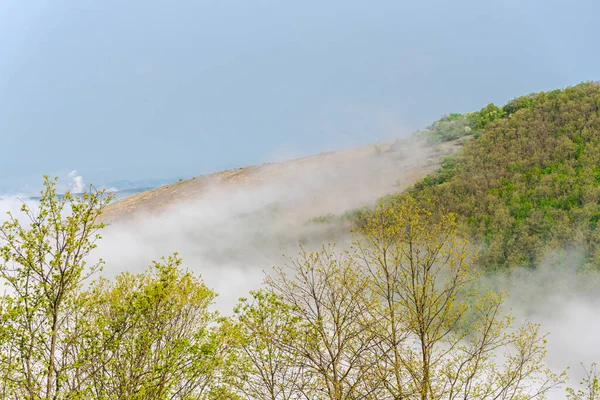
(529, 181)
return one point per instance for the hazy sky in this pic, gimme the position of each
(131, 90)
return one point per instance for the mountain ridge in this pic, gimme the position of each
(405, 159)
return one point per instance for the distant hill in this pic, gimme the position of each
(119, 194)
(316, 185)
(123, 185)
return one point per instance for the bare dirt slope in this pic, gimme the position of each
(325, 183)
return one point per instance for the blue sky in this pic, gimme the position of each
(148, 89)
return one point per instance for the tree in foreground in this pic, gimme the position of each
(43, 266)
(590, 386)
(266, 369)
(398, 317)
(156, 337)
(440, 338)
(324, 292)
(140, 336)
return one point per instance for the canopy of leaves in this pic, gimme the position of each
(449, 127)
(529, 183)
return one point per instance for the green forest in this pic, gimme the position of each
(527, 183)
(401, 314)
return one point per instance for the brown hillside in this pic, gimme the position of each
(327, 182)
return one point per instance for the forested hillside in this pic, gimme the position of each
(528, 182)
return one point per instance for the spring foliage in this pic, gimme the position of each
(528, 184)
(397, 316)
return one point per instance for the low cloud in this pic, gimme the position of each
(233, 233)
(13, 204)
(76, 185)
(239, 227)
(565, 300)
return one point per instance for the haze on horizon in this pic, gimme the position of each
(156, 90)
